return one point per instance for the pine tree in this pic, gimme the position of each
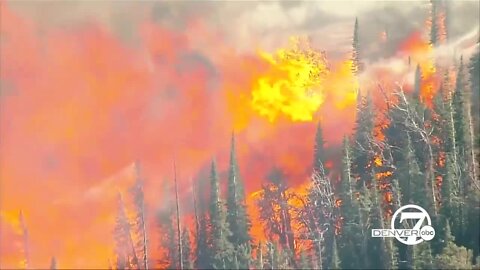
(304, 263)
(453, 256)
(168, 240)
(237, 217)
(221, 247)
(274, 209)
(259, 256)
(451, 203)
(203, 254)
(433, 26)
(378, 256)
(413, 184)
(363, 154)
(335, 262)
(474, 69)
(187, 250)
(319, 150)
(351, 239)
(422, 256)
(124, 246)
(357, 65)
(139, 226)
(460, 123)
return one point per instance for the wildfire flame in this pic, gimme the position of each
(293, 84)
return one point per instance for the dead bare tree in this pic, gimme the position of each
(179, 233)
(141, 230)
(416, 123)
(316, 215)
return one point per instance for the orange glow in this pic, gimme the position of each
(378, 161)
(383, 175)
(79, 105)
(421, 52)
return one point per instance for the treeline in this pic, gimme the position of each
(427, 155)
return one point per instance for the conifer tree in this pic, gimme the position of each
(168, 240)
(422, 256)
(139, 226)
(460, 123)
(474, 70)
(259, 256)
(453, 256)
(433, 25)
(319, 156)
(237, 217)
(222, 249)
(274, 209)
(357, 65)
(378, 257)
(363, 154)
(202, 249)
(304, 263)
(450, 201)
(351, 239)
(335, 262)
(124, 246)
(413, 185)
(187, 250)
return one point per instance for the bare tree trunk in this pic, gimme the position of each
(134, 253)
(142, 220)
(197, 225)
(261, 256)
(179, 234)
(471, 139)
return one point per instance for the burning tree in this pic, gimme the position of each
(124, 247)
(275, 210)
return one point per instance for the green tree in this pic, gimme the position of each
(237, 217)
(433, 26)
(351, 238)
(222, 249)
(458, 101)
(363, 154)
(335, 262)
(474, 69)
(422, 256)
(453, 256)
(187, 250)
(357, 65)
(319, 156)
(202, 249)
(378, 256)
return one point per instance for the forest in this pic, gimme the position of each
(415, 144)
(427, 155)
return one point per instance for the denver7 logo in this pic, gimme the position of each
(413, 236)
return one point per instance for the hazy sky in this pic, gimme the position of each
(267, 23)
